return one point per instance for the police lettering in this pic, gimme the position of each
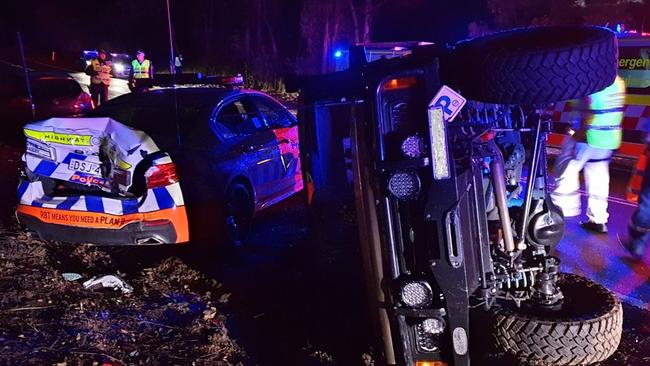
(87, 180)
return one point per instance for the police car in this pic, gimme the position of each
(159, 167)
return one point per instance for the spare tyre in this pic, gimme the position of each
(584, 330)
(531, 66)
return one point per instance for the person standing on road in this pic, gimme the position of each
(141, 76)
(590, 148)
(100, 71)
(639, 224)
(178, 63)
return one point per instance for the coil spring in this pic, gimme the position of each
(519, 280)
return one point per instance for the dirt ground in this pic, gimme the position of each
(171, 317)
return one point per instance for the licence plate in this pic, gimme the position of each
(85, 167)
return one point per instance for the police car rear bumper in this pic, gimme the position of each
(161, 227)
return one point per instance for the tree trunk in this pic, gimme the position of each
(367, 21)
(259, 41)
(355, 21)
(326, 40)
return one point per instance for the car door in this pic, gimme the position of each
(285, 129)
(251, 147)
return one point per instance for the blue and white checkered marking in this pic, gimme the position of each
(155, 199)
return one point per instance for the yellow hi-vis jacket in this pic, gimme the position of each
(604, 115)
(141, 70)
(103, 72)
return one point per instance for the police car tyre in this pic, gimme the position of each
(536, 65)
(239, 206)
(571, 337)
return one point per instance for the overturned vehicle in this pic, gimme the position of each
(444, 151)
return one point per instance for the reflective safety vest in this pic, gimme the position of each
(141, 70)
(605, 115)
(103, 71)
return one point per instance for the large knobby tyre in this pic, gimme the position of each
(587, 329)
(532, 66)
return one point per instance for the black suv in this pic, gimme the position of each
(452, 253)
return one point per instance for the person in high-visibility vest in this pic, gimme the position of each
(141, 75)
(100, 70)
(590, 148)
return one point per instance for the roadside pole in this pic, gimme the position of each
(27, 83)
(172, 70)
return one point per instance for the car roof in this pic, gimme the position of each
(197, 96)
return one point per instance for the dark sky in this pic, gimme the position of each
(124, 25)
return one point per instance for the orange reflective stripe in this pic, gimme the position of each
(634, 186)
(177, 216)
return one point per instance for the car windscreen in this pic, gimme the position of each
(48, 88)
(634, 66)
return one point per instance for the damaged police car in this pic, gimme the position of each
(160, 167)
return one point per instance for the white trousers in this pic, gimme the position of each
(595, 162)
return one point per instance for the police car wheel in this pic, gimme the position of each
(239, 214)
(586, 328)
(530, 66)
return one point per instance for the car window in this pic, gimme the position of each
(275, 115)
(238, 118)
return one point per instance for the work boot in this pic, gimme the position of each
(635, 248)
(636, 242)
(594, 227)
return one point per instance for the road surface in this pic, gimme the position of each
(117, 87)
(602, 257)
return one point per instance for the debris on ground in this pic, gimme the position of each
(108, 281)
(172, 317)
(71, 276)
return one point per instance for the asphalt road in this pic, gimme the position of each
(117, 87)
(602, 257)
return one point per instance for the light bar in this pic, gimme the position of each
(438, 136)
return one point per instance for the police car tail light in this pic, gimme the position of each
(161, 175)
(438, 137)
(84, 102)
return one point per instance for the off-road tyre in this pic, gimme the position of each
(587, 334)
(533, 66)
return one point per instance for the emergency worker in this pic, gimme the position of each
(639, 224)
(141, 76)
(178, 63)
(100, 70)
(590, 148)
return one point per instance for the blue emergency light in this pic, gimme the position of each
(338, 54)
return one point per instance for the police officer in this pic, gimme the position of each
(591, 149)
(100, 70)
(141, 75)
